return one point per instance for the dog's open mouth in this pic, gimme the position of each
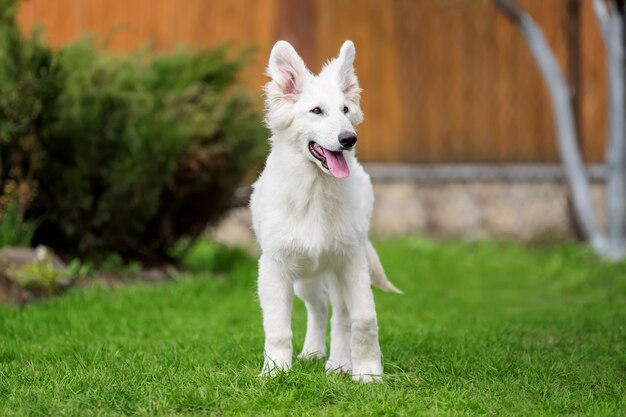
(333, 161)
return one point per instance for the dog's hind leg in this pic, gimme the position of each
(276, 296)
(339, 359)
(313, 292)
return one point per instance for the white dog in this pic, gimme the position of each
(311, 210)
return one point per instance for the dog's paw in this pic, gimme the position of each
(311, 354)
(367, 378)
(271, 368)
(334, 367)
(271, 373)
(368, 372)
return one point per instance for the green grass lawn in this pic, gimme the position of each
(482, 329)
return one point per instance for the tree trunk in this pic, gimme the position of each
(566, 131)
(610, 22)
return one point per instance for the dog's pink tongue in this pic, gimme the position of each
(336, 164)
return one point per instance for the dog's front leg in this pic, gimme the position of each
(276, 296)
(366, 357)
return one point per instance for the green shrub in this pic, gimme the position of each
(127, 153)
(29, 82)
(14, 231)
(143, 151)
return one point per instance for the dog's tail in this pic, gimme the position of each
(377, 273)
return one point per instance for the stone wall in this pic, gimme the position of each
(519, 210)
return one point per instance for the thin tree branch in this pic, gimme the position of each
(566, 131)
(510, 10)
(602, 14)
(611, 24)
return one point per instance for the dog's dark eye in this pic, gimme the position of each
(316, 110)
(345, 109)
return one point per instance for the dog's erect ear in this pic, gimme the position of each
(287, 68)
(347, 78)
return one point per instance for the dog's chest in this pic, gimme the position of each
(317, 229)
(322, 222)
(313, 245)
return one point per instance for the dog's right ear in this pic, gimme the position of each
(287, 69)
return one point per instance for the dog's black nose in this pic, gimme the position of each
(347, 139)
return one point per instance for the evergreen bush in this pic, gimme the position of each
(29, 83)
(127, 153)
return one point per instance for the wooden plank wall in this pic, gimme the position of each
(444, 80)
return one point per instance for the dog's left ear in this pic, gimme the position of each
(348, 80)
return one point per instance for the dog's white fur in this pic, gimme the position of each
(313, 227)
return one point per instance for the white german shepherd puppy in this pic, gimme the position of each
(311, 210)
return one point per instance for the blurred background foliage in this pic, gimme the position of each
(129, 153)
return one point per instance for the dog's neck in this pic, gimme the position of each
(301, 177)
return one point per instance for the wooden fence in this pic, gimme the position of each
(444, 80)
